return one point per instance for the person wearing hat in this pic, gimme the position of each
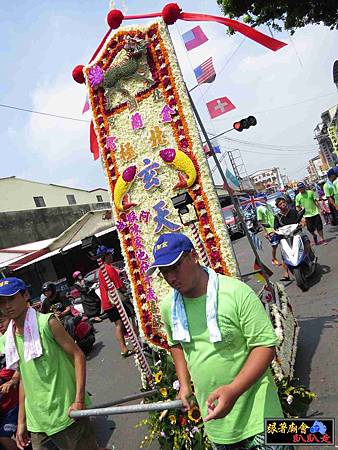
(306, 199)
(331, 192)
(52, 370)
(113, 315)
(222, 340)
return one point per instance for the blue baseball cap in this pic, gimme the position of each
(103, 250)
(330, 172)
(168, 249)
(11, 286)
(301, 184)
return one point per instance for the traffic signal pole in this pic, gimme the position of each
(233, 198)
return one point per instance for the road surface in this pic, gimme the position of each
(110, 377)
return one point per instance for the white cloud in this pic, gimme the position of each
(53, 138)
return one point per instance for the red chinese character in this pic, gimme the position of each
(326, 438)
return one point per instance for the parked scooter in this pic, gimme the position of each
(297, 254)
(80, 329)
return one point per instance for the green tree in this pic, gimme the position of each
(293, 13)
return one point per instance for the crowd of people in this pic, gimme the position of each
(209, 318)
(38, 348)
(316, 201)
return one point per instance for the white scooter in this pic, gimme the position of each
(297, 255)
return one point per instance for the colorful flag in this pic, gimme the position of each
(233, 182)
(252, 201)
(220, 106)
(205, 73)
(86, 105)
(193, 38)
(217, 149)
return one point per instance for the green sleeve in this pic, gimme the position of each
(165, 309)
(260, 214)
(327, 190)
(298, 200)
(2, 343)
(254, 321)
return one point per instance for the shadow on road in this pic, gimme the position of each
(104, 427)
(311, 329)
(98, 346)
(322, 269)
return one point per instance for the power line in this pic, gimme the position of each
(289, 148)
(284, 106)
(43, 113)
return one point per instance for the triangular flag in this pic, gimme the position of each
(94, 147)
(86, 105)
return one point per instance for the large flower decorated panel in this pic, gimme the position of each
(151, 150)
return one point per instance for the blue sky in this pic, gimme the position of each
(42, 40)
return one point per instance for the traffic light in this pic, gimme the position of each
(244, 124)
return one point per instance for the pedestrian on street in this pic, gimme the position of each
(306, 199)
(53, 373)
(331, 193)
(107, 304)
(266, 217)
(90, 301)
(9, 397)
(222, 340)
(54, 303)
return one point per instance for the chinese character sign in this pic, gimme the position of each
(151, 150)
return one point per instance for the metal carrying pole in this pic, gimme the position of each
(131, 333)
(128, 409)
(226, 184)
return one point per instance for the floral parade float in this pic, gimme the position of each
(144, 129)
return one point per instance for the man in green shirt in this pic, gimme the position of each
(266, 218)
(222, 340)
(52, 370)
(306, 199)
(331, 193)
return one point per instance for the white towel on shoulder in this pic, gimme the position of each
(180, 330)
(31, 341)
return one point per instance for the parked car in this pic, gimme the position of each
(232, 222)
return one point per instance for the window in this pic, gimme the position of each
(71, 199)
(99, 198)
(39, 202)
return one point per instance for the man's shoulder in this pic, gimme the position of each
(232, 286)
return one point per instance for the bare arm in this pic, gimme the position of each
(182, 374)
(72, 349)
(226, 396)
(22, 437)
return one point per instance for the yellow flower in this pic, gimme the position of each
(164, 392)
(194, 414)
(158, 376)
(172, 419)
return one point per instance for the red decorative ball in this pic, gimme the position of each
(170, 13)
(78, 74)
(114, 18)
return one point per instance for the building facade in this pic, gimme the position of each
(17, 194)
(326, 135)
(316, 168)
(266, 179)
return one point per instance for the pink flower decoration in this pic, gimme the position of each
(95, 76)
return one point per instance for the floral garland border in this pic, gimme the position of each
(162, 62)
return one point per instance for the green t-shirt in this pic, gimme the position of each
(265, 215)
(244, 325)
(49, 382)
(328, 189)
(307, 200)
(335, 191)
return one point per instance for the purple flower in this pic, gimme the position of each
(95, 76)
(163, 434)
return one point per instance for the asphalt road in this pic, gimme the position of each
(110, 377)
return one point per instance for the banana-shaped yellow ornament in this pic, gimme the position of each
(122, 186)
(180, 161)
